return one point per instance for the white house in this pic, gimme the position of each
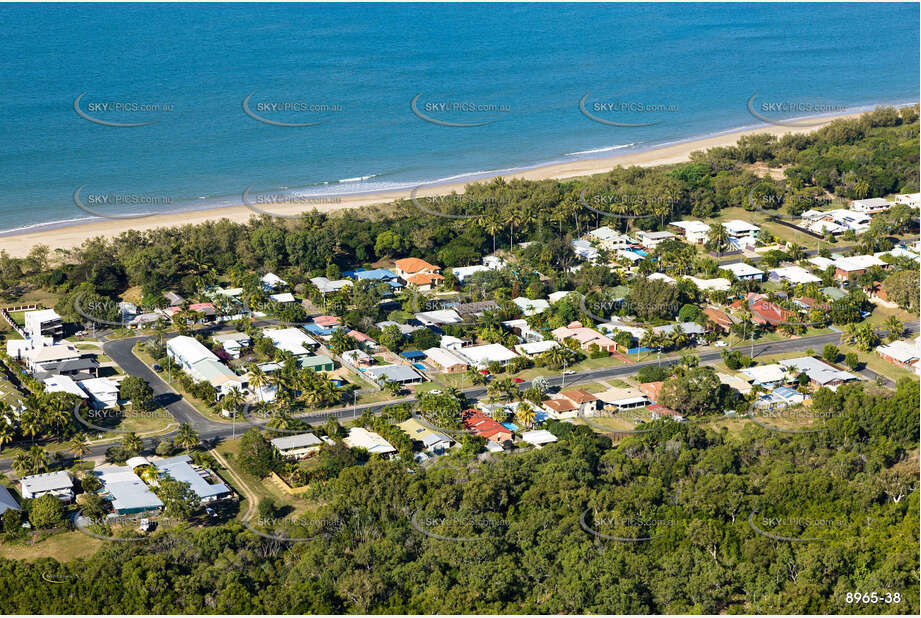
(439, 317)
(446, 360)
(531, 307)
(743, 271)
(63, 384)
(233, 343)
(291, 339)
(359, 437)
(326, 286)
(720, 284)
(871, 205)
(102, 392)
(743, 232)
(58, 484)
(695, 232)
(611, 240)
(271, 281)
(793, 274)
(298, 446)
(651, 240)
(45, 322)
(538, 437)
(187, 351)
(585, 250)
(483, 355)
(536, 347)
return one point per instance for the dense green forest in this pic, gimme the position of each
(707, 501)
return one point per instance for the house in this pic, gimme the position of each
(187, 351)
(447, 342)
(902, 353)
(446, 360)
(688, 328)
(432, 441)
(585, 402)
(38, 358)
(63, 384)
(128, 493)
(793, 274)
(418, 272)
(327, 321)
(662, 277)
(483, 426)
(59, 484)
(820, 373)
(292, 340)
(657, 411)
(735, 383)
(651, 389)
(719, 284)
(357, 358)
(173, 298)
(202, 481)
(521, 328)
(833, 294)
(102, 392)
(631, 256)
(538, 437)
(482, 355)
(856, 265)
(768, 376)
(382, 275)
(7, 501)
(299, 446)
(203, 365)
(536, 347)
(43, 323)
(316, 362)
(359, 437)
(401, 374)
(780, 397)
(555, 297)
(462, 273)
(82, 368)
(531, 307)
(233, 343)
(720, 319)
(744, 272)
(560, 408)
(326, 286)
(206, 312)
(271, 281)
(584, 250)
(405, 329)
(912, 200)
(651, 240)
(694, 232)
(585, 337)
(744, 233)
(476, 309)
(365, 341)
(624, 398)
(611, 240)
(766, 312)
(871, 206)
(282, 298)
(439, 317)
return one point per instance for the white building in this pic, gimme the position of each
(743, 271)
(695, 232)
(611, 240)
(871, 205)
(793, 274)
(538, 437)
(292, 340)
(743, 232)
(45, 322)
(531, 307)
(651, 240)
(439, 317)
(585, 250)
(298, 446)
(102, 392)
(271, 281)
(58, 484)
(482, 355)
(63, 384)
(536, 347)
(233, 343)
(446, 360)
(720, 284)
(187, 351)
(327, 286)
(359, 437)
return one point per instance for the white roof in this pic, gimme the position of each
(443, 357)
(273, 280)
(537, 347)
(655, 235)
(692, 226)
(531, 307)
(49, 481)
(189, 349)
(795, 274)
(821, 262)
(630, 255)
(871, 202)
(858, 262)
(394, 373)
(100, 388)
(447, 341)
(485, 354)
(902, 351)
(41, 315)
(661, 276)
(818, 371)
(737, 226)
(538, 436)
(301, 440)
(232, 337)
(462, 272)
(359, 437)
(719, 283)
(766, 373)
(555, 297)
(741, 269)
(128, 491)
(442, 316)
(63, 384)
(284, 297)
(292, 339)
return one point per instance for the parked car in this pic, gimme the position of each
(720, 344)
(517, 380)
(568, 372)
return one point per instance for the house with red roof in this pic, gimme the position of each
(482, 425)
(418, 272)
(363, 340)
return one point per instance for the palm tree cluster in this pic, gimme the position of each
(296, 385)
(45, 414)
(33, 461)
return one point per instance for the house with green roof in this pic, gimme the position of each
(317, 362)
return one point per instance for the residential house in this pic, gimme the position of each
(204, 483)
(59, 484)
(560, 408)
(902, 353)
(233, 343)
(298, 446)
(735, 383)
(63, 384)
(43, 323)
(742, 233)
(855, 265)
(720, 319)
(128, 493)
(820, 373)
(585, 337)
(366, 342)
(744, 272)
(531, 307)
(439, 317)
(586, 403)
(523, 330)
(382, 275)
(534, 348)
(271, 282)
(327, 286)
(482, 425)
(833, 294)
(401, 374)
(418, 272)
(282, 298)
(538, 437)
(623, 398)
(291, 339)
(871, 206)
(793, 274)
(446, 360)
(316, 362)
(611, 240)
(482, 355)
(359, 437)
(584, 250)
(657, 412)
(651, 240)
(432, 441)
(475, 309)
(768, 376)
(720, 284)
(357, 358)
(694, 232)
(102, 392)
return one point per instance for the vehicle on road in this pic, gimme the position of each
(517, 380)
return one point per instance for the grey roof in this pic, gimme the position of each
(180, 469)
(7, 501)
(818, 371)
(50, 481)
(394, 373)
(128, 491)
(299, 441)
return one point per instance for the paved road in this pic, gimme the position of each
(213, 432)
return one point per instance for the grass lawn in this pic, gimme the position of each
(881, 314)
(874, 363)
(63, 547)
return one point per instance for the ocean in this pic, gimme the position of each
(387, 96)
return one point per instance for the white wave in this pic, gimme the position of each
(358, 178)
(597, 150)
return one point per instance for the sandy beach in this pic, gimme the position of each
(73, 236)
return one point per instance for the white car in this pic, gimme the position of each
(568, 372)
(720, 344)
(434, 391)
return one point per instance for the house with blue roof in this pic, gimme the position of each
(378, 274)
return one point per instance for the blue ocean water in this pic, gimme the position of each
(521, 69)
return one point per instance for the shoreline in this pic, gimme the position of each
(68, 235)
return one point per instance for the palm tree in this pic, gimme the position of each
(233, 400)
(38, 457)
(22, 464)
(257, 378)
(717, 237)
(132, 443)
(895, 328)
(78, 446)
(491, 224)
(525, 414)
(186, 437)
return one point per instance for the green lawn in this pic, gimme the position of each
(63, 547)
